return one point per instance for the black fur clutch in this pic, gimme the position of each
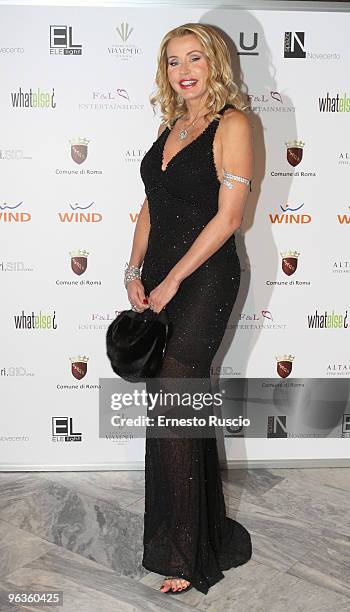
(136, 343)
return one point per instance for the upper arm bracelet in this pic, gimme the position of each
(235, 177)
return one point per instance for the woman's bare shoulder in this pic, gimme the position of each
(235, 124)
(235, 116)
(161, 129)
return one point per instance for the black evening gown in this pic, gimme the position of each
(186, 531)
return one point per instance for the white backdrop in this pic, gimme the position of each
(70, 193)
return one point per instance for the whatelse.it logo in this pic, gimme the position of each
(35, 321)
(61, 41)
(33, 98)
(78, 261)
(328, 320)
(284, 365)
(79, 366)
(62, 430)
(334, 104)
(79, 149)
(277, 426)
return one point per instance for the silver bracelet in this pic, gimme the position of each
(130, 273)
(235, 177)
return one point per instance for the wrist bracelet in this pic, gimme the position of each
(130, 273)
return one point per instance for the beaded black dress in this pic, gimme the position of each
(186, 531)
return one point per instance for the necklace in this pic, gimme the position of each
(184, 132)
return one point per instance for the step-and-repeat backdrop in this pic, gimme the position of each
(75, 123)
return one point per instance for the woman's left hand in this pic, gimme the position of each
(162, 294)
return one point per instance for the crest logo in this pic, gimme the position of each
(289, 262)
(124, 31)
(79, 366)
(78, 261)
(294, 152)
(79, 149)
(284, 365)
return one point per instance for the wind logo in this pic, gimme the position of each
(290, 215)
(343, 219)
(80, 217)
(17, 217)
(133, 217)
(33, 99)
(335, 104)
(327, 320)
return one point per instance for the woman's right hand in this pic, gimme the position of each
(136, 295)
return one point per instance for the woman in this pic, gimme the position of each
(197, 176)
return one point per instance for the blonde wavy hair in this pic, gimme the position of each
(221, 87)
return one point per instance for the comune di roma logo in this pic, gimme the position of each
(78, 261)
(294, 152)
(289, 262)
(284, 365)
(79, 149)
(79, 366)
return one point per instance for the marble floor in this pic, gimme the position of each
(81, 533)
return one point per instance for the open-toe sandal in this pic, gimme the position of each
(177, 592)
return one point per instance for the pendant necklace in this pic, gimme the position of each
(184, 132)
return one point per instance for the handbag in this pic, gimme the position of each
(136, 343)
